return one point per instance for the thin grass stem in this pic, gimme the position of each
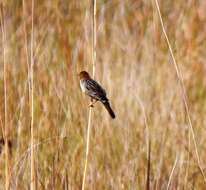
(90, 109)
(31, 89)
(5, 103)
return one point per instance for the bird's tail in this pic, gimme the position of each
(109, 109)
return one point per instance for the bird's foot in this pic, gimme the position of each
(91, 105)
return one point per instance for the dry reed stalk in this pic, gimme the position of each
(31, 100)
(188, 159)
(90, 109)
(148, 165)
(148, 144)
(5, 103)
(180, 79)
(171, 174)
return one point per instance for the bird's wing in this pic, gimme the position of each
(94, 90)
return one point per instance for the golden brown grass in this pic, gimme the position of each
(134, 65)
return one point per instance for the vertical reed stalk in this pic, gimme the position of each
(94, 39)
(24, 16)
(90, 109)
(148, 144)
(5, 103)
(171, 174)
(31, 99)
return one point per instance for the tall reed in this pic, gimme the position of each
(90, 109)
(31, 99)
(6, 130)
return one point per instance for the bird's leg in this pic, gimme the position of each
(92, 103)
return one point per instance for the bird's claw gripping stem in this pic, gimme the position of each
(91, 105)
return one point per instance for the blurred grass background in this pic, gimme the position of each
(134, 65)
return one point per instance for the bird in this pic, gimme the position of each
(94, 90)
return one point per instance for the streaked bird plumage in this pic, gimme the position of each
(93, 89)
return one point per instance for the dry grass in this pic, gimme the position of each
(134, 65)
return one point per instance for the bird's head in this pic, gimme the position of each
(84, 75)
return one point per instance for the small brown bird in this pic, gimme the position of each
(91, 88)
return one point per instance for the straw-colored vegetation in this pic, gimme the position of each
(134, 65)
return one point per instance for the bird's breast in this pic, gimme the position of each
(82, 85)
